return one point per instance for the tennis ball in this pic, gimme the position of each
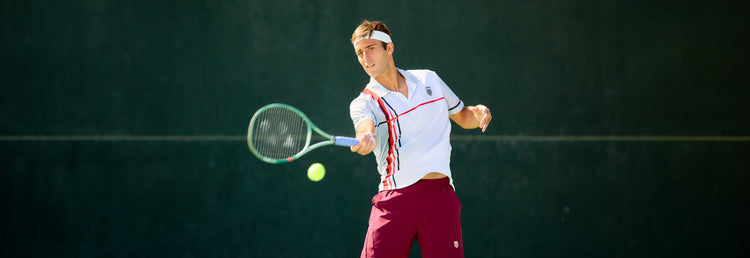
(316, 172)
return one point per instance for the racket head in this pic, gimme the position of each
(279, 133)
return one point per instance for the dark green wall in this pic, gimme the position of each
(203, 67)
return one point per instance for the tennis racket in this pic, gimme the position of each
(279, 133)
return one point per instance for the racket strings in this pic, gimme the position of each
(279, 133)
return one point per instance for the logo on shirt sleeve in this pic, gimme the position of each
(429, 91)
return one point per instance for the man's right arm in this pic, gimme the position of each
(366, 136)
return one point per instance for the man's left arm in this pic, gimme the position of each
(471, 117)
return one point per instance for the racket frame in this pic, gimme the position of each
(338, 140)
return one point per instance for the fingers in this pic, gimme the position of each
(484, 113)
(366, 144)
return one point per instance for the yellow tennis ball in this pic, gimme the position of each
(316, 172)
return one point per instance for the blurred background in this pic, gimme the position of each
(201, 68)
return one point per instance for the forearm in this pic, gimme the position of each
(366, 135)
(365, 127)
(466, 118)
(473, 117)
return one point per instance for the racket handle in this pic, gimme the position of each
(345, 141)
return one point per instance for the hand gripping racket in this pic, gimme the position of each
(279, 133)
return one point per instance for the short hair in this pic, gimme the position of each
(364, 30)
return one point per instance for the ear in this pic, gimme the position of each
(390, 48)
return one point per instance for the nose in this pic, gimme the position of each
(363, 59)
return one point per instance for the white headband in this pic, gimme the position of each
(376, 34)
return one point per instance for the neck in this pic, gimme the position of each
(394, 81)
(391, 80)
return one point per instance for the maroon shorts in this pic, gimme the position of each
(428, 211)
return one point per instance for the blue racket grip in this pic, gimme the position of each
(345, 141)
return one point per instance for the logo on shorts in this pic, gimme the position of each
(455, 244)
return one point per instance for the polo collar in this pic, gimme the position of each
(411, 83)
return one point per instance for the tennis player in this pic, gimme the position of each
(408, 112)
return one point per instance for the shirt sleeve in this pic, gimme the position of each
(359, 110)
(455, 104)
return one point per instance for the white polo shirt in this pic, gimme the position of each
(413, 133)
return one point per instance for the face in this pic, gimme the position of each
(372, 56)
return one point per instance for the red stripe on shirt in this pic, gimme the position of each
(391, 158)
(428, 102)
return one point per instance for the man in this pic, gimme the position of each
(403, 117)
